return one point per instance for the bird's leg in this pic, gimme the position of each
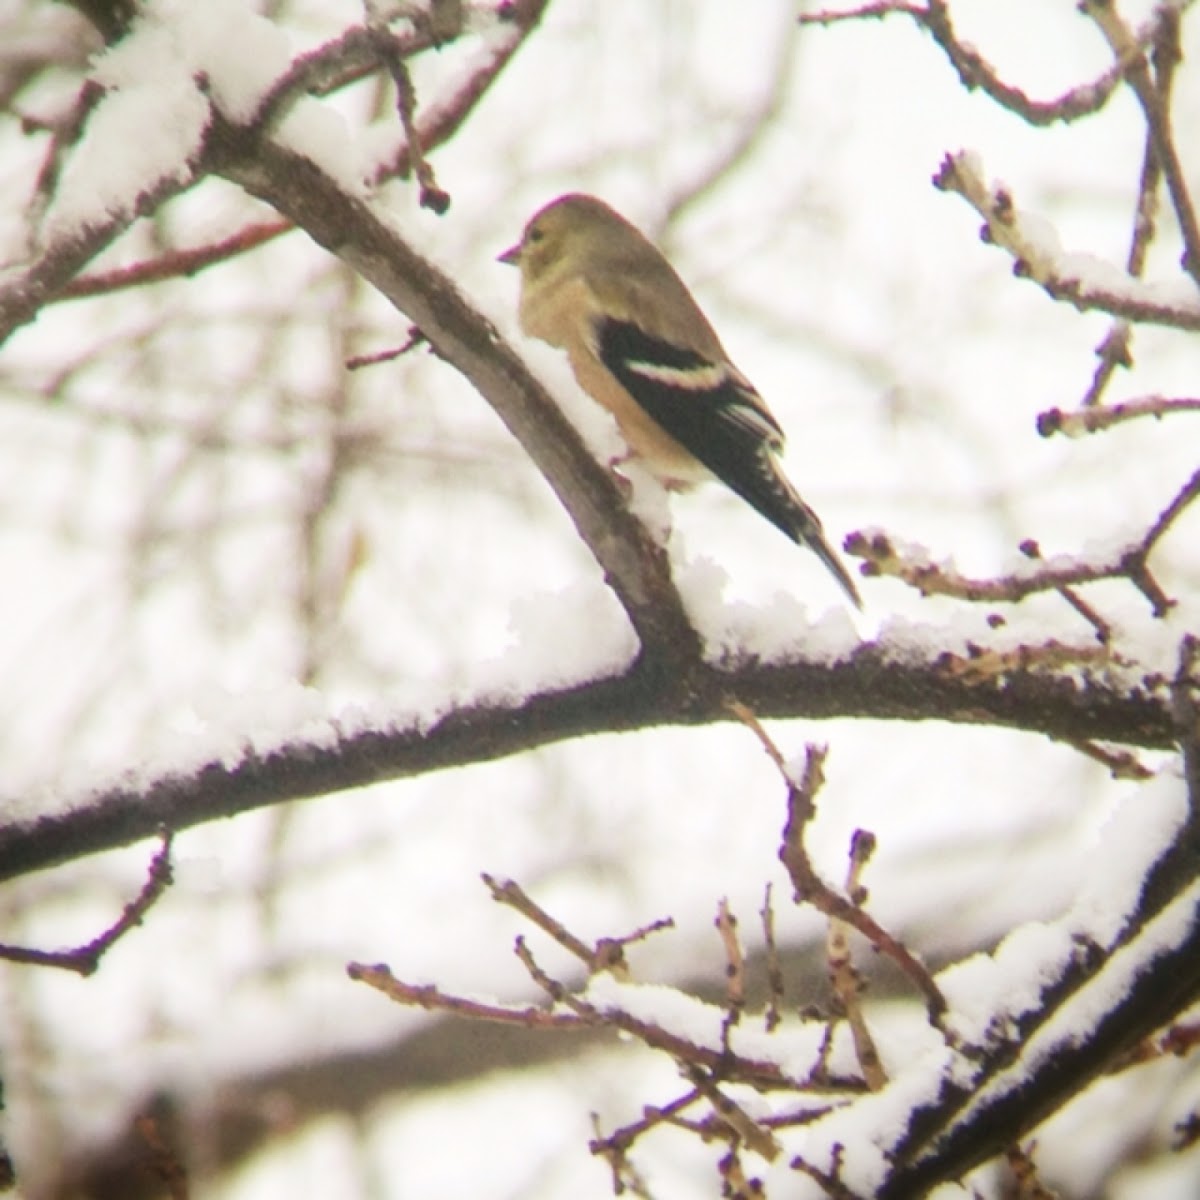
(623, 483)
(614, 465)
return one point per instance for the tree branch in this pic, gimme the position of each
(1100, 1004)
(1084, 282)
(345, 59)
(976, 73)
(1025, 1083)
(869, 684)
(355, 230)
(23, 294)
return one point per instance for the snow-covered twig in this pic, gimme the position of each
(912, 565)
(1081, 280)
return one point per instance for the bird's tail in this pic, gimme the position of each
(789, 512)
(815, 541)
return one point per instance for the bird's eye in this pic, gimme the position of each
(535, 235)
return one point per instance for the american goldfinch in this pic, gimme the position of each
(595, 286)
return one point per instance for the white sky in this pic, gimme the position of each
(155, 609)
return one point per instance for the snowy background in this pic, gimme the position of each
(213, 532)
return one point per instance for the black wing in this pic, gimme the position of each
(710, 410)
(704, 405)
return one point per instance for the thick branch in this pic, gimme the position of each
(1020, 1094)
(868, 685)
(1097, 1009)
(358, 233)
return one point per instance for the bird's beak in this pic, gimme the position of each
(511, 256)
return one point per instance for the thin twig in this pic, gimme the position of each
(976, 72)
(176, 264)
(885, 558)
(1114, 351)
(735, 971)
(732, 1115)
(1092, 420)
(1026, 1183)
(165, 1163)
(64, 138)
(1130, 48)
(607, 955)
(1170, 514)
(773, 1011)
(831, 1180)
(85, 960)
(757, 1072)
(844, 977)
(510, 893)
(433, 999)
(414, 339)
(1121, 764)
(615, 1147)
(432, 196)
(1187, 718)
(806, 880)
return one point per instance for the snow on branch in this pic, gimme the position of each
(897, 680)
(174, 68)
(1082, 280)
(858, 1103)
(885, 556)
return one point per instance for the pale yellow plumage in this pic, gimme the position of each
(595, 286)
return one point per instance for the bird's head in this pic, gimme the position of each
(572, 229)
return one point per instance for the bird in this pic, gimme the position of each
(594, 285)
